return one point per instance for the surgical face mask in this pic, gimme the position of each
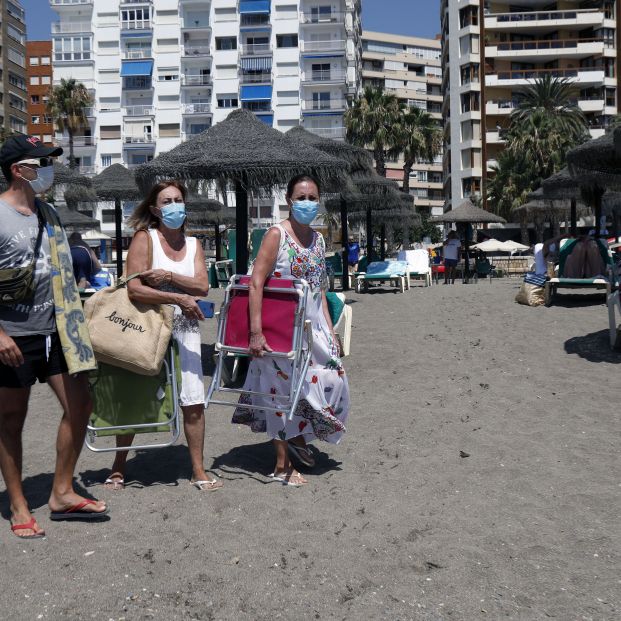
(44, 180)
(304, 211)
(173, 215)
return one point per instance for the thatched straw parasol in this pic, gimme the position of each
(598, 160)
(117, 184)
(63, 175)
(74, 220)
(244, 150)
(202, 212)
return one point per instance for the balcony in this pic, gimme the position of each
(71, 27)
(544, 20)
(323, 46)
(139, 24)
(496, 137)
(250, 21)
(328, 76)
(60, 3)
(583, 76)
(139, 111)
(195, 109)
(323, 105)
(256, 49)
(194, 51)
(139, 141)
(137, 54)
(335, 133)
(137, 84)
(195, 24)
(322, 18)
(144, 2)
(196, 80)
(545, 50)
(87, 170)
(256, 78)
(78, 141)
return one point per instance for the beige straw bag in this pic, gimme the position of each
(126, 334)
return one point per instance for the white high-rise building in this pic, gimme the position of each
(493, 49)
(163, 70)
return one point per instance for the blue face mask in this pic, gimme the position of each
(173, 215)
(305, 211)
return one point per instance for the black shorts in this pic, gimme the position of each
(38, 363)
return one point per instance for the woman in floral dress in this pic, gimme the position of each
(292, 249)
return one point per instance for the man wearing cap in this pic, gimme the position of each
(43, 335)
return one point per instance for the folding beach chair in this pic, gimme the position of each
(285, 329)
(418, 264)
(334, 267)
(224, 271)
(127, 403)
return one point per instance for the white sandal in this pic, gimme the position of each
(285, 478)
(210, 485)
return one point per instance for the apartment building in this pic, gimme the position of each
(13, 96)
(409, 67)
(492, 50)
(39, 83)
(163, 70)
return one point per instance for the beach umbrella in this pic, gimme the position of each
(63, 175)
(116, 183)
(491, 245)
(74, 220)
(561, 186)
(598, 161)
(245, 151)
(513, 246)
(202, 212)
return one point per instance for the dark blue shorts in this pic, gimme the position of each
(450, 262)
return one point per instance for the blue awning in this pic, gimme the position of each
(268, 119)
(256, 93)
(254, 6)
(136, 68)
(256, 64)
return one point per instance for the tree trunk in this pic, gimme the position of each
(405, 234)
(380, 162)
(524, 232)
(407, 169)
(71, 155)
(539, 230)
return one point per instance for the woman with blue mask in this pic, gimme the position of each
(177, 275)
(292, 249)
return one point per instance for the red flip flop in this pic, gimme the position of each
(77, 512)
(27, 526)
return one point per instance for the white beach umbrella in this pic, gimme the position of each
(491, 245)
(513, 246)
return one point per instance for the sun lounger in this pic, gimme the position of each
(418, 264)
(380, 272)
(334, 267)
(341, 315)
(600, 281)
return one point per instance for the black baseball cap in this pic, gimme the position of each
(22, 147)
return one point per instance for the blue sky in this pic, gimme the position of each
(419, 18)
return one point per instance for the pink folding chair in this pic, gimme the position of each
(286, 331)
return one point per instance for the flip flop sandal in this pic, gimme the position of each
(303, 454)
(211, 485)
(77, 512)
(286, 479)
(116, 481)
(30, 525)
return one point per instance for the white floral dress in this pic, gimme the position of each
(324, 403)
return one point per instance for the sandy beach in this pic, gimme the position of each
(479, 479)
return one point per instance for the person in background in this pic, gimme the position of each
(353, 254)
(452, 249)
(292, 249)
(43, 334)
(85, 263)
(177, 276)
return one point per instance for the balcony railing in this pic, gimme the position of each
(89, 113)
(139, 24)
(196, 108)
(323, 46)
(137, 84)
(248, 20)
(255, 78)
(531, 74)
(323, 18)
(87, 170)
(195, 24)
(324, 104)
(147, 139)
(78, 141)
(139, 111)
(545, 44)
(69, 2)
(135, 2)
(324, 76)
(137, 54)
(539, 16)
(196, 80)
(196, 50)
(61, 27)
(328, 132)
(256, 49)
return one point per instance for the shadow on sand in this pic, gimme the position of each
(594, 347)
(578, 300)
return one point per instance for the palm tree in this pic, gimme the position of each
(373, 122)
(513, 179)
(420, 138)
(552, 98)
(67, 106)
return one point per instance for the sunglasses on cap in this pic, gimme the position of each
(39, 162)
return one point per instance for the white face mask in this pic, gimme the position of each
(44, 180)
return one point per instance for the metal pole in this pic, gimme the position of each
(241, 224)
(218, 242)
(574, 228)
(383, 242)
(369, 236)
(118, 225)
(598, 213)
(345, 245)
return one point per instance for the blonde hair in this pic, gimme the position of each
(143, 218)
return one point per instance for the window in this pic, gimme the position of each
(110, 132)
(169, 130)
(16, 80)
(15, 34)
(225, 14)
(16, 57)
(225, 72)
(287, 40)
(106, 160)
(34, 80)
(136, 19)
(72, 48)
(35, 99)
(226, 43)
(46, 79)
(34, 61)
(47, 119)
(109, 103)
(168, 75)
(290, 98)
(45, 60)
(47, 137)
(287, 69)
(167, 45)
(35, 120)
(227, 101)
